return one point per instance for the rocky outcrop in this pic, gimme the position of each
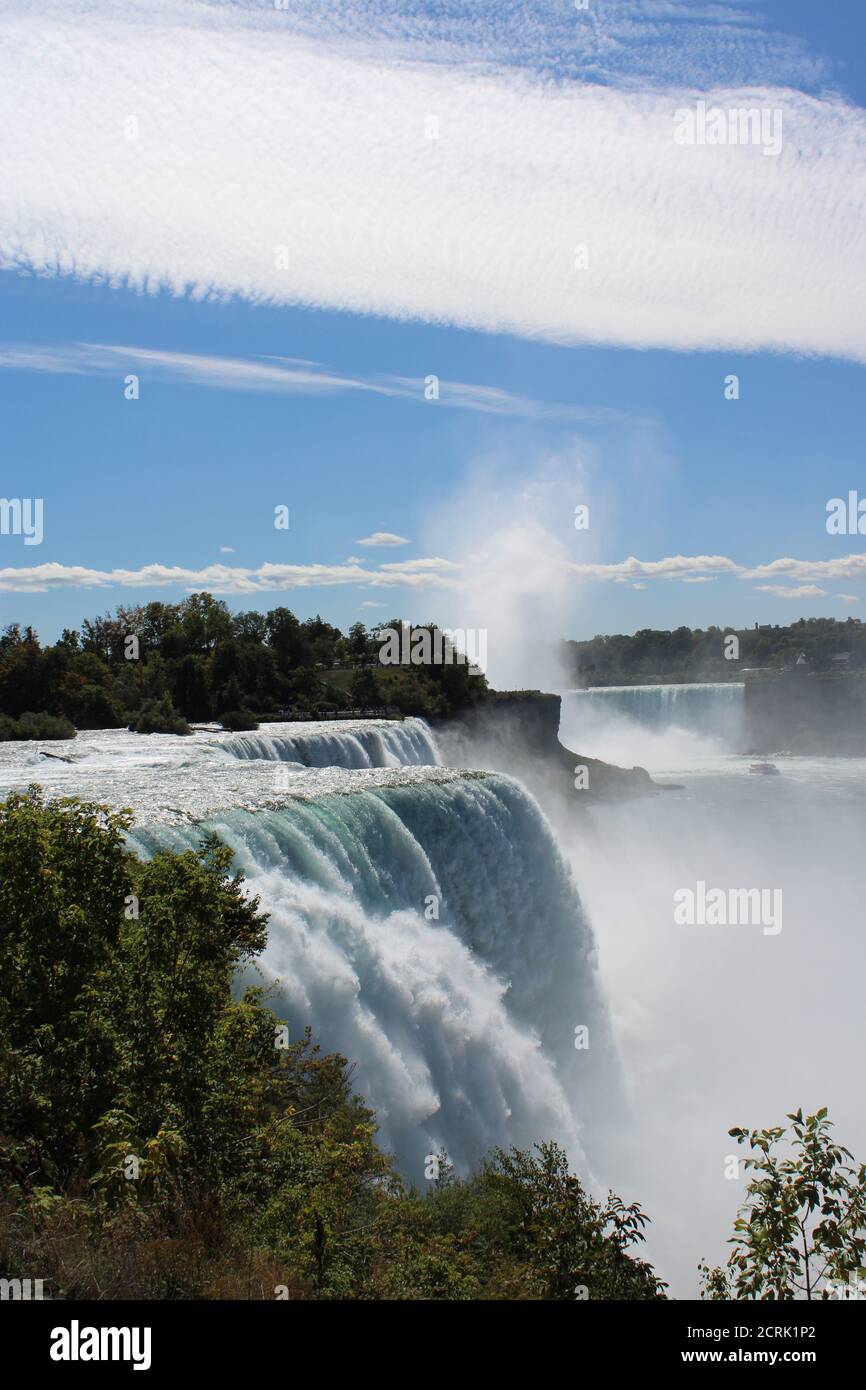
(518, 733)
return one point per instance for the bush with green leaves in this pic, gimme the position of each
(801, 1232)
(158, 717)
(239, 721)
(35, 726)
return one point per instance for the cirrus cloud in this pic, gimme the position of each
(303, 171)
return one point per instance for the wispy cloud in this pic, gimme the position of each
(303, 171)
(672, 567)
(799, 591)
(280, 374)
(843, 567)
(619, 41)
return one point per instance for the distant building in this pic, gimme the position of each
(842, 660)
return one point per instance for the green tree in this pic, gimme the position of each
(159, 717)
(566, 1245)
(364, 689)
(802, 1227)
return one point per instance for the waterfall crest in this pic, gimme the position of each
(362, 744)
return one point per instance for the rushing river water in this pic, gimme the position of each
(423, 920)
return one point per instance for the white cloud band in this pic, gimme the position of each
(433, 571)
(209, 151)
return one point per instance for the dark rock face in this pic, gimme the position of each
(518, 733)
(802, 712)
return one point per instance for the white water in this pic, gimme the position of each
(344, 744)
(656, 726)
(461, 1028)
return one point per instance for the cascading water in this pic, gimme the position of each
(409, 744)
(422, 920)
(658, 726)
(462, 1027)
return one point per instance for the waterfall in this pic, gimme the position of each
(362, 744)
(462, 1025)
(423, 922)
(712, 708)
(655, 725)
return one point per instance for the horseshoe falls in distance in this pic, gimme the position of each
(658, 726)
(462, 1029)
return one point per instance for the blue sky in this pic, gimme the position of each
(306, 388)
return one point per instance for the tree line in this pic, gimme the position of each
(698, 654)
(159, 666)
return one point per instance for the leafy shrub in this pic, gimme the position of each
(239, 720)
(41, 726)
(801, 1231)
(158, 717)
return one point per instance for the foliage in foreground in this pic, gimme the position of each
(155, 1142)
(801, 1232)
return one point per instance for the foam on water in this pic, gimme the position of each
(422, 920)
